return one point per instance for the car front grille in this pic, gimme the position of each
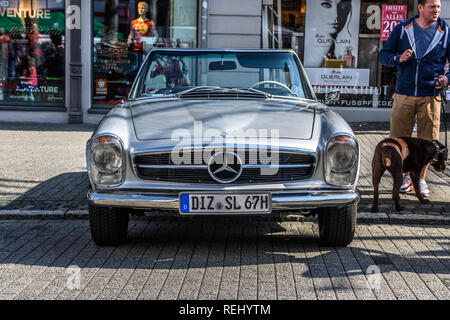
(159, 166)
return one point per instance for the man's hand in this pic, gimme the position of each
(443, 82)
(406, 55)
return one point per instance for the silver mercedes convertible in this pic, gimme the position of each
(222, 132)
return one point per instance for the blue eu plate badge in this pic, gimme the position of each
(185, 203)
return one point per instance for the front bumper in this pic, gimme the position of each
(280, 201)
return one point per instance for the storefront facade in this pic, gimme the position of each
(339, 44)
(70, 61)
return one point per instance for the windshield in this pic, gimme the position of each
(274, 73)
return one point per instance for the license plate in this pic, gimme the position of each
(225, 203)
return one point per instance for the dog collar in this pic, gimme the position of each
(439, 151)
(438, 148)
(436, 154)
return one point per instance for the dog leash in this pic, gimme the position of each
(443, 94)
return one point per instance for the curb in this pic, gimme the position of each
(396, 218)
(363, 217)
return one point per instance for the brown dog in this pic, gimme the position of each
(399, 155)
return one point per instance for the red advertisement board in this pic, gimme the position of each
(391, 15)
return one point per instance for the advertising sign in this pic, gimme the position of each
(19, 89)
(101, 86)
(339, 77)
(331, 32)
(391, 15)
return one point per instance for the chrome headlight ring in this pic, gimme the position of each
(341, 160)
(106, 161)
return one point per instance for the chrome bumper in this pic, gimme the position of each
(287, 201)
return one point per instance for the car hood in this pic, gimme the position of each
(174, 118)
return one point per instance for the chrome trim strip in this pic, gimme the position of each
(302, 200)
(238, 147)
(281, 166)
(162, 166)
(245, 166)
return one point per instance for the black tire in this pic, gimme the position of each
(109, 226)
(337, 225)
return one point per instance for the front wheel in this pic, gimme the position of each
(109, 226)
(337, 225)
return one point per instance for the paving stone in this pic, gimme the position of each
(266, 269)
(162, 266)
(286, 289)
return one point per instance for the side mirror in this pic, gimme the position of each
(332, 96)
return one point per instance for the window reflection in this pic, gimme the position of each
(339, 42)
(32, 53)
(126, 30)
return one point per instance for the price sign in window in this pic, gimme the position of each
(391, 15)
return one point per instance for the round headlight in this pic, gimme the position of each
(342, 154)
(107, 157)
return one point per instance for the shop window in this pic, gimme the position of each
(125, 31)
(338, 42)
(32, 55)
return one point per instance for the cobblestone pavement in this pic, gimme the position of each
(43, 173)
(184, 258)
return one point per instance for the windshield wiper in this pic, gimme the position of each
(195, 89)
(219, 90)
(268, 95)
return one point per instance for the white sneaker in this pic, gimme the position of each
(407, 184)
(424, 188)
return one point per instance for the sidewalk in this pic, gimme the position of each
(43, 175)
(438, 183)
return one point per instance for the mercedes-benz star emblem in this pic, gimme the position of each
(225, 167)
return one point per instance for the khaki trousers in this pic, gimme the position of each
(405, 108)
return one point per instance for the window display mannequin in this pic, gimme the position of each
(35, 50)
(29, 78)
(141, 27)
(4, 54)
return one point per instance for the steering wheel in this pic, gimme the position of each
(275, 83)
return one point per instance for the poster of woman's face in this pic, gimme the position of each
(331, 31)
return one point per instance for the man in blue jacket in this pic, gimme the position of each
(419, 48)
